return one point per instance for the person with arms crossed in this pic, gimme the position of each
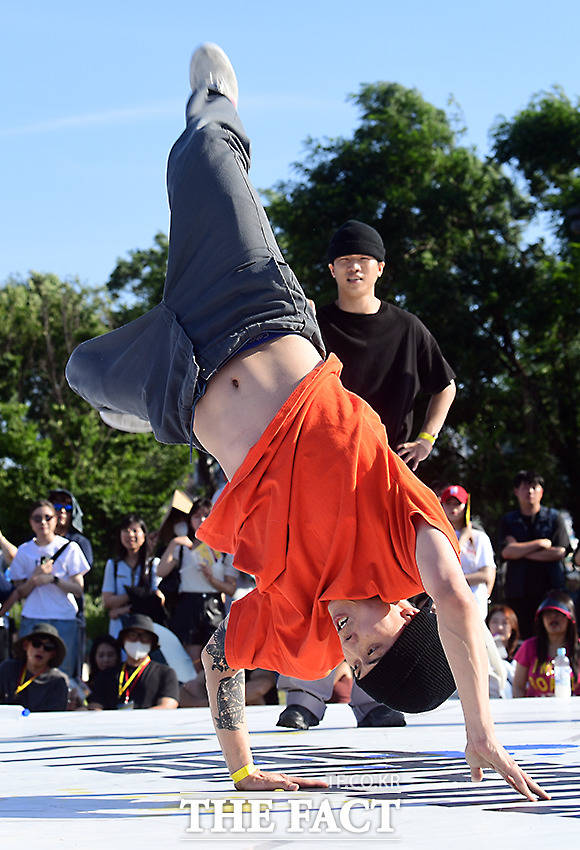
(533, 541)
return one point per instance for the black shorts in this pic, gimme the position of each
(196, 617)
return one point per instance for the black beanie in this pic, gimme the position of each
(355, 237)
(414, 675)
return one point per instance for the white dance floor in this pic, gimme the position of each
(117, 780)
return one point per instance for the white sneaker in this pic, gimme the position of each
(125, 422)
(211, 67)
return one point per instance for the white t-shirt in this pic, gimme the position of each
(474, 556)
(48, 602)
(126, 577)
(191, 578)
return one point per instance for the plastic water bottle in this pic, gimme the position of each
(562, 675)
(500, 646)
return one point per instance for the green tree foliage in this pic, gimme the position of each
(50, 437)
(136, 283)
(542, 144)
(454, 228)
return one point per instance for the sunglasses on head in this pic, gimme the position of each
(40, 643)
(41, 517)
(60, 505)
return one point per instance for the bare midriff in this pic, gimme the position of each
(245, 395)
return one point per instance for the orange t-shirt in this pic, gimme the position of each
(320, 509)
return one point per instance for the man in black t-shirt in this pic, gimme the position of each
(388, 354)
(533, 541)
(139, 682)
(388, 357)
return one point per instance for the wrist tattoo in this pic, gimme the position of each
(231, 702)
(217, 648)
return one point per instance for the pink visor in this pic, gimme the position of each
(555, 605)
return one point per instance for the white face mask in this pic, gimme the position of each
(180, 529)
(137, 650)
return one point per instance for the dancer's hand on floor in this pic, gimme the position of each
(489, 754)
(262, 781)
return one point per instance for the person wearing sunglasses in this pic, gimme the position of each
(69, 520)
(69, 524)
(48, 573)
(32, 678)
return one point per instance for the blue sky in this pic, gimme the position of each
(93, 97)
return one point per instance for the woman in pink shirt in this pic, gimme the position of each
(555, 627)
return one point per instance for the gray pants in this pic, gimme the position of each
(227, 285)
(313, 695)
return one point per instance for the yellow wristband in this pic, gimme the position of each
(244, 771)
(425, 436)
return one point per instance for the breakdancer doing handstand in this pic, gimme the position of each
(335, 527)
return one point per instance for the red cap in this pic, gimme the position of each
(455, 491)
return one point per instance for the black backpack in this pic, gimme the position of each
(169, 586)
(143, 599)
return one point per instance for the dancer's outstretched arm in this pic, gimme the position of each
(461, 635)
(226, 691)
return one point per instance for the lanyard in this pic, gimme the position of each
(22, 684)
(129, 680)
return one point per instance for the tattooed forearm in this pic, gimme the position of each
(231, 702)
(217, 648)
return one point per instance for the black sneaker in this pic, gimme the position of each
(382, 715)
(297, 717)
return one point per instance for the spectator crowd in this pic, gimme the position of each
(165, 593)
